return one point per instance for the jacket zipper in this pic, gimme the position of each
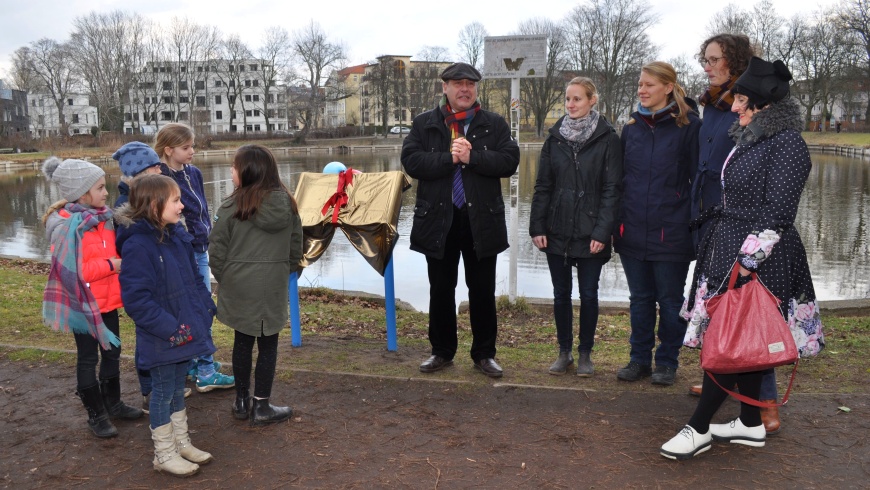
(201, 207)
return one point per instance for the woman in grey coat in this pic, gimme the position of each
(256, 243)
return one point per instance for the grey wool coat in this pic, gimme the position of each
(252, 261)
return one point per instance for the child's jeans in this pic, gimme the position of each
(167, 394)
(205, 364)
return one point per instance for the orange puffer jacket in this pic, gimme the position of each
(98, 245)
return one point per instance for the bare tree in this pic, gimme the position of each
(540, 95)
(819, 60)
(190, 46)
(146, 83)
(318, 56)
(22, 75)
(274, 56)
(766, 28)
(50, 61)
(854, 19)
(690, 76)
(609, 43)
(232, 54)
(730, 20)
(434, 53)
(386, 85)
(471, 41)
(104, 50)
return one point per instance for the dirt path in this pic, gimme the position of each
(366, 432)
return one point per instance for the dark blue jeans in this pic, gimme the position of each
(480, 279)
(167, 392)
(651, 282)
(561, 273)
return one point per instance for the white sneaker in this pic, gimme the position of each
(737, 433)
(686, 444)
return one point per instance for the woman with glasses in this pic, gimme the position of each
(724, 58)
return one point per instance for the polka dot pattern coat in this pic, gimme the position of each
(762, 182)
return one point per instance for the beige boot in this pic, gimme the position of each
(182, 439)
(166, 457)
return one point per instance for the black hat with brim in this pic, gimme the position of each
(763, 82)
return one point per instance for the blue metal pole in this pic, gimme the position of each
(390, 300)
(295, 324)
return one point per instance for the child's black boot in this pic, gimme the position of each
(98, 417)
(111, 389)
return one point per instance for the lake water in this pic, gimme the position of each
(832, 219)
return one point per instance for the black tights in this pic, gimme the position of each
(712, 398)
(90, 353)
(267, 358)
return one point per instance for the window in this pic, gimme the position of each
(256, 127)
(256, 113)
(135, 116)
(200, 101)
(128, 116)
(168, 100)
(167, 85)
(76, 131)
(247, 98)
(69, 102)
(249, 113)
(217, 99)
(256, 83)
(247, 83)
(183, 99)
(253, 67)
(182, 85)
(162, 69)
(249, 127)
(33, 103)
(231, 99)
(256, 97)
(75, 118)
(232, 83)
(217, 83)
(199, 84)
(166, 116)
(232, 68)
(271, 98)
(233, 128)
(182, 116)
(218, 115)
(241, 67)
(183, 69)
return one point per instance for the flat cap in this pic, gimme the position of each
(461, 71)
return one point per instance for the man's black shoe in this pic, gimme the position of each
(664, 375)
(435, 363)
(489, 367)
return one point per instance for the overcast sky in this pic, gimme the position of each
(368, 28)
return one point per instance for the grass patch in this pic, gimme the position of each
(832, 138)
(348, 334)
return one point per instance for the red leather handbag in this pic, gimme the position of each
(746, 330)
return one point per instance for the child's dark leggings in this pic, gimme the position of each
(267, 357)
(90, 352)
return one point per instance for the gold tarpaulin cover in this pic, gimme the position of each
(369, 219)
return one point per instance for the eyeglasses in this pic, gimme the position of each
(712, 61)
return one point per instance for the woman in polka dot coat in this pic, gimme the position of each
(762, 181)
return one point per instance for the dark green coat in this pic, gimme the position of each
(252, 261)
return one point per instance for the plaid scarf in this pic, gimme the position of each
(719, 96)
(456, 121)
(67, 303)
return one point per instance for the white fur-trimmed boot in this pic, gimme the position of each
(182, 439)
(166, 456)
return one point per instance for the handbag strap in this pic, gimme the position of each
(752, 401)
(732, 281)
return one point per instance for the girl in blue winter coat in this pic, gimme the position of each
(165, 296)
(174, 146)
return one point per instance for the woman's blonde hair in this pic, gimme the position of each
(170, 136)
(665, 73)
(586, 83)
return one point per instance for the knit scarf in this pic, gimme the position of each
(457, 121)
(719, 96)
(651, 118)
(577, 131)
(67, 303)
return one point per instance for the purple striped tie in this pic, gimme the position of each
(458, 189)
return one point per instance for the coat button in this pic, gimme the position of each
(469, 204)
(709, 140)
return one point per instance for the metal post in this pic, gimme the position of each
(390, 304)
(514, 193)
(295, 322)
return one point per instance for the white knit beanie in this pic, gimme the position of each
(73, 177)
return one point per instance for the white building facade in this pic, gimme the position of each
(80, 116)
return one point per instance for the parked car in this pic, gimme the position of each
(400, 129)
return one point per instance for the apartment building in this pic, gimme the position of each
(404, 87)
(343, 97)
(14, 117)
(80, 115)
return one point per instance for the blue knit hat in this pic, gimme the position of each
(134, 157)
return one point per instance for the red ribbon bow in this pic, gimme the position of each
(340, 198)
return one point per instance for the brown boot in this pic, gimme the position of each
(770, 417)
(695, 390)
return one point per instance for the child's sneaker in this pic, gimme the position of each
(216, 380)
(194, 370)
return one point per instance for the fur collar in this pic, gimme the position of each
(778, 116)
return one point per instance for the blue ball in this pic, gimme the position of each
(334, 168)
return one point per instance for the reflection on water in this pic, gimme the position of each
(831, 219)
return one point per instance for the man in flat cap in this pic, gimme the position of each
(458, 153)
